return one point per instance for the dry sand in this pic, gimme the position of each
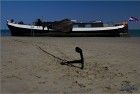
(112, 65)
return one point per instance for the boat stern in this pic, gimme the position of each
(124, 31)
(125, 23)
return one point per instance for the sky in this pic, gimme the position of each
(106, 11)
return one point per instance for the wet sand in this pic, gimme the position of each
(112, 65)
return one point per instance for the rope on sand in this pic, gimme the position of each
(50, 53)
(63, 60)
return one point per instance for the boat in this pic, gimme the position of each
(67, 27)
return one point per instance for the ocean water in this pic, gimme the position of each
(5, 33)
(132, 33)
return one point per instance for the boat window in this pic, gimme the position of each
(88, 25)
(97, 24)
(81, 25)
(75, 25)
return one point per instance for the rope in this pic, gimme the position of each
(50, 54)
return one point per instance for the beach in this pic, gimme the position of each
(32, 65)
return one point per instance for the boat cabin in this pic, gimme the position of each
(90, 24)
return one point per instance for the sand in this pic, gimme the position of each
(112, 65)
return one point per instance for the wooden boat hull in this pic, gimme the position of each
(17, 31)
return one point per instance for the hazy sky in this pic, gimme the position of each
(107, 11)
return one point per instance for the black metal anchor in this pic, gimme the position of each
(78, 50)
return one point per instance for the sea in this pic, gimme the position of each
(132, 33)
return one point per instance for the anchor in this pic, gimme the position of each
(78, 50)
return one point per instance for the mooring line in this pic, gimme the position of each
(50, 53)
(42, 50)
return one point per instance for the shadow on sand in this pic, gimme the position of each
(65, 62)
